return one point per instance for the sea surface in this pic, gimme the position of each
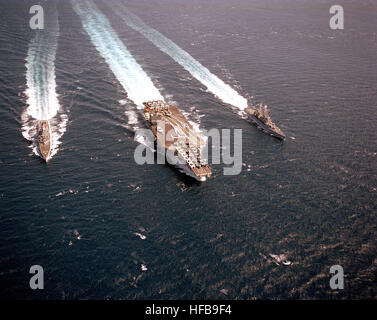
(104, 227)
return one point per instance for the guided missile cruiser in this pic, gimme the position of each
(179, 137)
(44, 139)
(262, 120)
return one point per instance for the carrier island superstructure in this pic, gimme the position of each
(179, 138)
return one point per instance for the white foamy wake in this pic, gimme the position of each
(41, 96)
(129, 73)
(214, 84)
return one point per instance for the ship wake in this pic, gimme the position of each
(137, 84)
(135, 81)
(214, 84)
(41, 97)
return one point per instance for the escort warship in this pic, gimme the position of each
(44, 138)
(261, 118)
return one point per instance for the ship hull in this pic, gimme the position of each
(181, 167)
(180, 137)
(44, 139)
(260, 125)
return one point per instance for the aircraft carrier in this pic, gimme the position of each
(262, 120)
(179, 137)
(44, 139)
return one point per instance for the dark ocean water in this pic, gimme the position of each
(312, 197)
